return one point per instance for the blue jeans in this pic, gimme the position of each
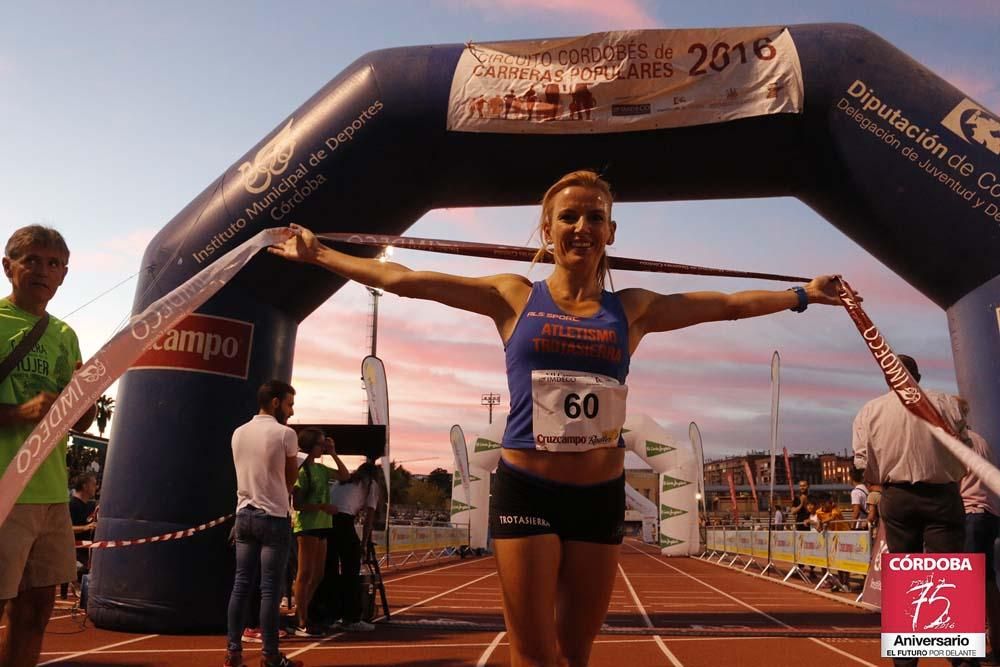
(261, 541)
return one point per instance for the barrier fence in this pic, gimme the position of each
(409, 543)
(833, 551)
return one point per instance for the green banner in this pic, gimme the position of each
(458, 506)
(670, 483)
(667, 541)
(657, 448)
(667, 512)
(484, 445)
(456, 479)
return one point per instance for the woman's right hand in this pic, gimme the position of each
(330, 509)
(302, 246)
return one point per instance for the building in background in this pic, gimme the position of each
(836, 468)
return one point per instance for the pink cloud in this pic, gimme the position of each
(626, 14)
(114, 254)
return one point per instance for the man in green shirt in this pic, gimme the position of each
(36, 539)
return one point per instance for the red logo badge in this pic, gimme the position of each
(933, 605)
(205, 344)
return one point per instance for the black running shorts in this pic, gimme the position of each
(523, 505)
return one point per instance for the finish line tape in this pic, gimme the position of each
(112, 360)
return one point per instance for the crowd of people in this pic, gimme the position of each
(292, 508)
(83, 459)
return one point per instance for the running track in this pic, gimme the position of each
(679, 612)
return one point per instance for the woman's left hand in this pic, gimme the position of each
(824, 290)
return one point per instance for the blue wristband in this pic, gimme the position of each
(800, 292)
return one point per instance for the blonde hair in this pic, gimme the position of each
(585, 179)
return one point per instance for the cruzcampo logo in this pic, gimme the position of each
(458, 506)
(668, 512)
(657, 448)
(667, 541)
(670, 483)
(485, 445)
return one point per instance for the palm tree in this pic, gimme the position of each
(105, 408)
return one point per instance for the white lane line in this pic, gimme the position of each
(395, 613)
(485, 657)
(96, 650)
(755, 610)
(435, 597)
(649, 623)
(437, 569)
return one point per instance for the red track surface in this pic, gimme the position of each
(680, 612)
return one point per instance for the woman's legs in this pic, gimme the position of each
(312, 555)
(586, 578)
(529, 571)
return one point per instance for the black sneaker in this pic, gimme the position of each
(280, 661)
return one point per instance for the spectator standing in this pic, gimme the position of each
(356, 499)
(982, 528)
(911, 478)
(859, 500)
(312, 524)
(801, 510)
(779, 517)
(264, 454)
(36, 539)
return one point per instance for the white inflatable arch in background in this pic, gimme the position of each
(674, 462)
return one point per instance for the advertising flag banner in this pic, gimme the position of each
(625, 81)
(694, 434)
(750, 480)
(461, 453)
(934, 605)
(775, 391)
(788, 474)
(373, 373)
(732, 494)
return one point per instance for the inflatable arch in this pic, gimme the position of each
(894, 156)
(675, 463)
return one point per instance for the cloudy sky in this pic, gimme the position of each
(116, 114)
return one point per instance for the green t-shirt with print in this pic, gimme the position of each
(49, 367)
(314, 484)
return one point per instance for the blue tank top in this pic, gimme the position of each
(546, 338)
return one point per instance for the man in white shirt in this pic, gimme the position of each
(912, 479)
(264, 453)
(779, 518)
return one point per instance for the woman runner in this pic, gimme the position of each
(557, 511)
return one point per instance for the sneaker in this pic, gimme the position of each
(358, 626)
(255, 636)
(308, 633)
(280, 661)
(233, 660)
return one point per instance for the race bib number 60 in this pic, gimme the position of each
(576, 412)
